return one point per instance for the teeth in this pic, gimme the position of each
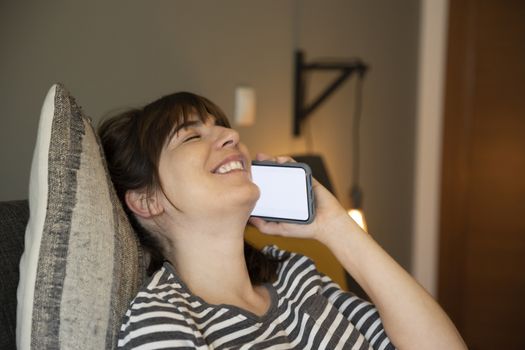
(226, 168)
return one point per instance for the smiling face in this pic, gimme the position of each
(177, 156)
(204, 170)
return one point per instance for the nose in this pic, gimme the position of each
(226, 138)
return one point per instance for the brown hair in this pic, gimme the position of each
(133, 141)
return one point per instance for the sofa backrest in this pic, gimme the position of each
(13, 219)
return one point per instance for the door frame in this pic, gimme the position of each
(429, 122)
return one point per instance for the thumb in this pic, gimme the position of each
(266, 227)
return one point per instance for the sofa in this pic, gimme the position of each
(13, 218)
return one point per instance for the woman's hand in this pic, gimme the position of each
(412, 319)
(329, 214)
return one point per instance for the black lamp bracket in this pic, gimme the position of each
(346, 69)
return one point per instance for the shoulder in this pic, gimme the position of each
(288, 260)
(294, 269)
(160, 292)
(160, 303)
(164, 289)
(162, 286)
(274, 252)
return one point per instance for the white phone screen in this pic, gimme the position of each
(284, 192)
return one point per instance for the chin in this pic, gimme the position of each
(255, 197)
(252, 194)
(245, 198)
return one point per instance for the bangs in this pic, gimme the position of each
(170, 111)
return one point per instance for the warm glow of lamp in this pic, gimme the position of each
(356, 211)
(358, 216)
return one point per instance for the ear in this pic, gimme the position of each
(143, 205)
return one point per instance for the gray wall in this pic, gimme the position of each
(114, 54)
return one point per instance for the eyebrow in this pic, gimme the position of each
(186, 125)
(189, 124)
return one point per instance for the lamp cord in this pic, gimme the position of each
(355, 129)
(308, 137)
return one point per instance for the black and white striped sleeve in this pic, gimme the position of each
(362, 314)
(152, 322)
(155, 328)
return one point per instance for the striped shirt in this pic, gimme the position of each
(308, 311)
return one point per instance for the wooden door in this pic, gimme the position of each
(482, 233)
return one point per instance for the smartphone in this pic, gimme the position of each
(286, 192)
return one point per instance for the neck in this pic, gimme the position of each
(210, 260)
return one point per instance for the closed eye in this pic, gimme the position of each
(192, 137)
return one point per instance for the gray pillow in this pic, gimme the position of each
(82, 263)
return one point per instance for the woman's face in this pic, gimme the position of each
(204, 169)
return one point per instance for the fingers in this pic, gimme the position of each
(278, 159)
(263, 156)
(267, 227)
(285, 159)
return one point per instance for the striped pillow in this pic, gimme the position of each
(82, 262)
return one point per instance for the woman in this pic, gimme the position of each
(184, 179)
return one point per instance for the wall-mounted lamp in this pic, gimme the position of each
(302, 111)
(346, 69)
